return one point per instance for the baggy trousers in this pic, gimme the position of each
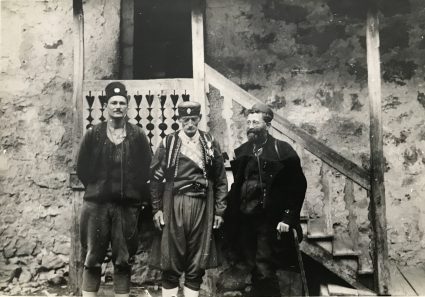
(102, 224)
(186, 225)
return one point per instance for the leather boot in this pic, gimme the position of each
(170, 292)
(190, 293)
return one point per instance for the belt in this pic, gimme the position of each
(195, 188)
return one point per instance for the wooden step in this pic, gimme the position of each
(337, 290)
(365, 264)
(317, 228)
(325, 244)
(324, 290)
(304, 227)
(343, 246)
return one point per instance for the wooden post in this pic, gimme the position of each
(377, 202)
(198, 59)
(126, 39)
(75, 262)
(77, 95)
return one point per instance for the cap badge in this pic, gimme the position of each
(117, 90)
(189, 111)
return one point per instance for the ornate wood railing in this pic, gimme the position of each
(152, 104)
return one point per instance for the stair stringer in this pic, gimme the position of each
(346, 269)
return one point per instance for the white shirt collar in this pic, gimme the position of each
(188, 139)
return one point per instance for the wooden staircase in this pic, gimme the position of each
(337, 231)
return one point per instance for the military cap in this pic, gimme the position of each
(115, 89)
(189, 108)
(264, 109)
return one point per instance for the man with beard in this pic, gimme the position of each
(188, 189)
(113, 164)
(264, 202)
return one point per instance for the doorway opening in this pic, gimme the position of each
(162, 39)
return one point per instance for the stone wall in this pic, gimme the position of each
(36, 132)
(308, 60)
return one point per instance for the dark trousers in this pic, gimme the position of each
(257, 237)
(101, 225)
(189, 216)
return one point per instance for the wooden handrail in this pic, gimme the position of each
(280, 124)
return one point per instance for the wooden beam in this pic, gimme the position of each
(126, 39)
(75, 261)
(326, 154)
(78, 77)
(377, 201)
(199, 59)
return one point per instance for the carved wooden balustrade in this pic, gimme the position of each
(152, 104)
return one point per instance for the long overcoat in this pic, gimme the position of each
(285, 187)
(164, 162)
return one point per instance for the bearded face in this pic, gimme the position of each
(257, 128)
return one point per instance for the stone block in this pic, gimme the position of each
(52, 261)
(9, 272)
(25, 247)
(25, 276)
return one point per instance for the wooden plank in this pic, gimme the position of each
(366, 292)
(365, 264)
(178, 84)
(325, 244)
(199, 59)
(415, 276)
(325, 172)
(78, 76)
(75, 262)
(377, 201)
(398, 285)
(346, 269)
(280, 124)
(127, 39)
(336, 290)
(343, 246)
(324, 290)
(317, 228)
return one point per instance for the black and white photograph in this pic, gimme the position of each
(212, 148)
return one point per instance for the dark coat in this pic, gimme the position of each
(135, 165)
(162, 199)
(285, 185)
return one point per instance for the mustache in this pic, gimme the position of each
(254, 131)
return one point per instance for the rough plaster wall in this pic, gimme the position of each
(36, 140)
(308, 60)
(101, 37)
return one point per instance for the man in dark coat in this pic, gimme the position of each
(113, 164)
(264, 202)
(188, 190)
